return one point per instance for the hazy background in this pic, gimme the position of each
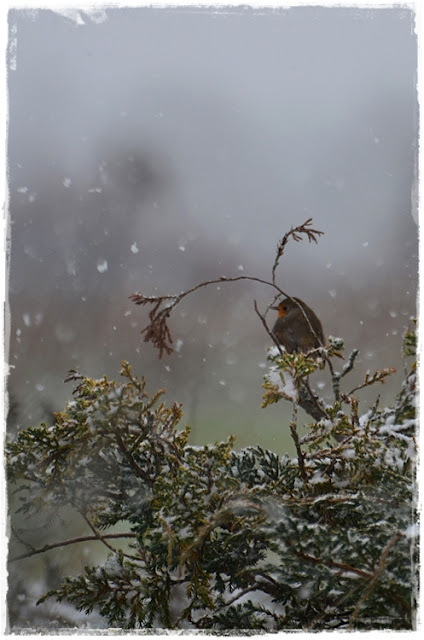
(157, 148)
(151, 149)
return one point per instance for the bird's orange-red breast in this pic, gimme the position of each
(297, 327)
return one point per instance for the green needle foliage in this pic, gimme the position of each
(221, 539)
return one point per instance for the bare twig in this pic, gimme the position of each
(22, 541)
(295, 436)
(65, 543)
(97, 534)
(375, 577)
(309, 402)
(335, 379)
(333, 563)
(267, 329)
(349, 364)
(158, 332)
(336, 376)
(377, 376)
(295, 234)
(254, 587)
(100, 537)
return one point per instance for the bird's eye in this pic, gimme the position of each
(285, 308)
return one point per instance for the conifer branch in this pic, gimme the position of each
(343, 566)
(380, 568)
(210, 524)
(129, 456)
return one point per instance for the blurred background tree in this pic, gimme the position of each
(180, 155)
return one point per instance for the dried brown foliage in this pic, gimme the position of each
(157, 332)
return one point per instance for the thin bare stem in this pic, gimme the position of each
(335, 379)
(334, 563)
(295, 436)
(22, 541)
(377, 376)
(375, 577)
(97, 534)
(65, 543)
(267, 329)
(309, 402)
(349, 364)
(295, 234)
(158, 332)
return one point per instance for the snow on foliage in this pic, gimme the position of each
(209, 537)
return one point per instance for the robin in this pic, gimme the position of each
(297, 328)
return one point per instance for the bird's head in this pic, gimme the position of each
(287, 305)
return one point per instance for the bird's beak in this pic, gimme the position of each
(275, 308)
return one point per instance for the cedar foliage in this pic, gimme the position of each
(222, 539)
(213, 538)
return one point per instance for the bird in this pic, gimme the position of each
(297, 328)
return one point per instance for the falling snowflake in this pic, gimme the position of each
(102, 265)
